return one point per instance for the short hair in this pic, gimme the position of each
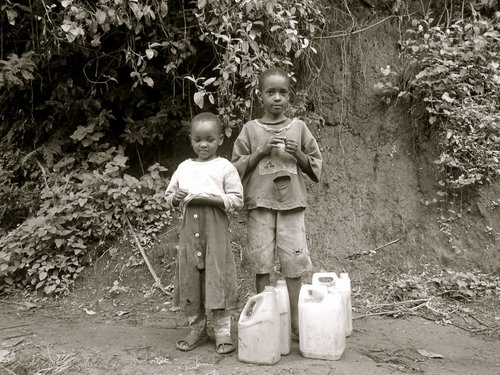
(209, 117)
(272, 72)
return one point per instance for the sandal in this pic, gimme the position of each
(191, 341)
(224, 345)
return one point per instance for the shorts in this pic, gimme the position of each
(282, 233)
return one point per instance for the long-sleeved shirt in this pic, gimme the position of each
(277, 181)
(216, 177)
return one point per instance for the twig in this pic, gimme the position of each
(357, 255)
(477, 320)
(20, 335)
(355, 32)
(143, 253)
(19, 325)
(374, 314)
(6, 369)
(12, 302)
(399, 303)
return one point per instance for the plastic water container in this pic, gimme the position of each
(336, 284)
(344, 286)
(259, 329)
(321, 323)
(285, 318)
(328, 279)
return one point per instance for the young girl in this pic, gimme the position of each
(272, 154)
(205, 188)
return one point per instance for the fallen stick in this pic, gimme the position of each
(143, 253)
(16, 336)
(19, 325)
(398, 303)
(6, 369)
(368, 252)
(378, 313)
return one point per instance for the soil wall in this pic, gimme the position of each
(378, 186)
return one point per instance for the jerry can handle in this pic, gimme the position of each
(251, 304)
(306, 289)
(324, 275)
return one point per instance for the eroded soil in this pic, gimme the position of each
(92, 332)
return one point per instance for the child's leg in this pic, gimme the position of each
(222, 331)
(259, 252)
(294, 284)
(197, 323)
(261, 281)
(198, 334)
(291, 245)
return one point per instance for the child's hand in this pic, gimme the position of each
(291, 146)
(273, 142)
(179, 196)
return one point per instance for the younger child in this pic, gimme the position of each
(271, 155)
(205, 188)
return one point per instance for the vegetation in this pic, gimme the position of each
(452, 70)
(88, 87)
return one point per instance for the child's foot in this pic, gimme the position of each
(191, 341)
(224, 345)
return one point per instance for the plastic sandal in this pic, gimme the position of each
(191, 341)
(224, 345)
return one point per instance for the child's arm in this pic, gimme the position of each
(293, 149)
(207, 201)
(173, 194)
(308, 155)
(244, 159)
(233, 189)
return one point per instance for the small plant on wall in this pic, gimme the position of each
(455, 76)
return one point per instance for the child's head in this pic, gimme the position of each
(272, 72)
(206, 135)
(274, 87)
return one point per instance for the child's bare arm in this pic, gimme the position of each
(207, 201)
(179, 196)
(245, 160)
(293, 149)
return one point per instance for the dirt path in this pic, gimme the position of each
(61, 338)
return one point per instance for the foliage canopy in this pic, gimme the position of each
(86, 84)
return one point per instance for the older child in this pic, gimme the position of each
(205, 187)
(272, 154)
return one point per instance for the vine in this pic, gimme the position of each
(455, 76)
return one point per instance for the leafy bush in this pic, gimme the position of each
(86, 86)
(456, 76)
(84, 204)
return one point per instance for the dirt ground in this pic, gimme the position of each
(61, 337)
(374, 194)
(114, 322)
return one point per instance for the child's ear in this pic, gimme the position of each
(221, 139)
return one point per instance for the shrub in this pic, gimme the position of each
(457, 79)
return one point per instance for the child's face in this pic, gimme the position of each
(205, 139)
(275, 94)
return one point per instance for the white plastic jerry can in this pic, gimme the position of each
(341, 285)
(328, 279)
(285, 318)
(344, 286)
(321, 323)
(259, 329)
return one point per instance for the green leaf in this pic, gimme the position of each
(199, 98)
